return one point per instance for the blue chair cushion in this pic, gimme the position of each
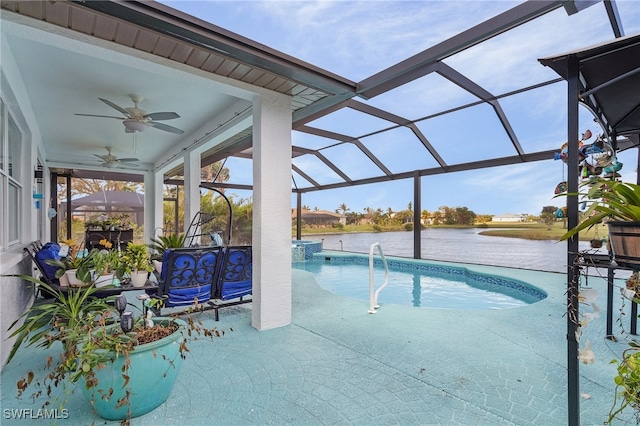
(50, 251)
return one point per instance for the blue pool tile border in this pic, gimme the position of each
(310, 247)
(510, 286)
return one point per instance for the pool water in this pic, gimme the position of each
(444, 289)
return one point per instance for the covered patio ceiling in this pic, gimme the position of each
(80, 52)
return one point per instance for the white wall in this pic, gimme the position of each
(16, 294)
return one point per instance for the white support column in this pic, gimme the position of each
(158, 204)
(271, 305)
(151, 205)
(191, 187)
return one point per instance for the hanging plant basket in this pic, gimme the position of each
(624, 238)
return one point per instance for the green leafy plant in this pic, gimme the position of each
(88, 328)
(49, 322)
(607, 199)
(163, 242)
(627, 382)
(82, 261)
(136, 258)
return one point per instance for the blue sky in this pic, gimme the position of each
(358, 39)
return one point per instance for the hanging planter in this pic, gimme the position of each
(624, 238)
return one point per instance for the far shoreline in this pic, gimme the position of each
(523, 230)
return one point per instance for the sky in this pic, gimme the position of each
(358, 39)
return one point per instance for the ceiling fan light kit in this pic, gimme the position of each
(136, 119)
(111, 161)
(134, 125)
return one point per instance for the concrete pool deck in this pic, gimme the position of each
(338, 365)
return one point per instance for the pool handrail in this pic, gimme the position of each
(373, 295)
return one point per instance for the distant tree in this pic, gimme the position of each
(437, 217)
(353, 218)
(464, 216)
(548, 215)
(424, 216)
(343, 208)
(91, 186)
(448, 215)
(215, 173)
(483, 218)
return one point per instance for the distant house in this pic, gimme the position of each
(318, 218)
(509, 217)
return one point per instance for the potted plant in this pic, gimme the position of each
(160, 244)
(163, 242)
(627, 382)
(137, 263)
(107, 265)
(77, 267)
(618, 203)
(126, 367)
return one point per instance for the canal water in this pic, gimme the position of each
(460, 245)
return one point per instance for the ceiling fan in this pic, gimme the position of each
(112, 161)
(137, 120)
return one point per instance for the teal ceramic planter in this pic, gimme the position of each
(152, 373)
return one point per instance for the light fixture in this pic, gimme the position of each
(134, 125)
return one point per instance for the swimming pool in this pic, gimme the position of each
(420, 283)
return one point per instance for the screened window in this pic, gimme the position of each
(14, 212)
(10, 184)
(14, 145)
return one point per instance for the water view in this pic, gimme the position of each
(460, 245)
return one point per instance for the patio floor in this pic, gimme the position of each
(337, 365)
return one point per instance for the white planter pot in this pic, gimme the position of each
(64, 280)
(139, 279)
(71, 278)
(104, 280)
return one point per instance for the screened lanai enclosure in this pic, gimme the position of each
(166, 93)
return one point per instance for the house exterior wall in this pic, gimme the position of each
(508, 218)
(18, 294)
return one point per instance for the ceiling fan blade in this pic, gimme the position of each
(116, 107)
(102, 157)
(162, 115)
(166, 128)
(102, 116)
(126, 160)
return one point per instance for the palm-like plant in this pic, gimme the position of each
(50, 322)
(163, 242)
(607, 199)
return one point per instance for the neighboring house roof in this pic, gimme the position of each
(505, 215)
(305, 214)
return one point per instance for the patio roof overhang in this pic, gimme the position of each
(609, 76)
(155, 29)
